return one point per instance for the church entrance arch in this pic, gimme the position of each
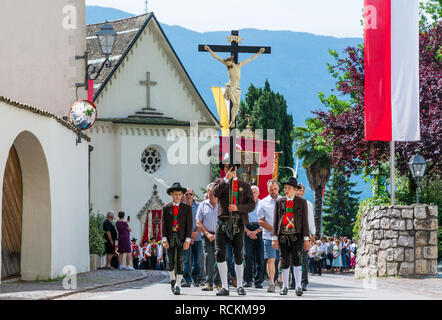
(26, 211)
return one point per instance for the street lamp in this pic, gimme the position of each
(417, 167)
(106, 39)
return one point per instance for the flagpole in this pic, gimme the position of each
(392, 160)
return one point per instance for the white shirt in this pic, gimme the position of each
(353, 247)
(266, 211)
(311, 219)
(159, 250)
(313, 252)
(323, 248)
(227, 180)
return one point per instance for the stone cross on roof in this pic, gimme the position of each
(148, 84)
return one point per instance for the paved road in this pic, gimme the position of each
(327, 286)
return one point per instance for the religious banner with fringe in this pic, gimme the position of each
(153, 225)
(257, 158)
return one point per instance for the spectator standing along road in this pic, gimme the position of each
(124, 248)
(192, 263)
(254, 247)
(206, 220)
(110, 234)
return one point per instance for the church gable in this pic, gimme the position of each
(147, 83)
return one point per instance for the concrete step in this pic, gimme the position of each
(150, 117)
(144, 113)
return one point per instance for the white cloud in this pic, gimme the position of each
(340, 18)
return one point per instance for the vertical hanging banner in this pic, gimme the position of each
(90, 90)
(391, 70)
(153, 224)
(223, 110)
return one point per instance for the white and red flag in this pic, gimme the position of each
(391, 70)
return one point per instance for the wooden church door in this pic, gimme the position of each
(12, 215)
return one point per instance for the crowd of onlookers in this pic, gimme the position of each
(125, 254)
(327, 253)
(332, 254)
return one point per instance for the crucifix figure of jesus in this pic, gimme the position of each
(233, 91)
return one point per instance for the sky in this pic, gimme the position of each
(339, 18)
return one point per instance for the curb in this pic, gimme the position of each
(92, 288)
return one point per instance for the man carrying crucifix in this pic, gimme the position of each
(234, 204)
(233, 91)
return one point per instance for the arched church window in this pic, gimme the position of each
(151, 160)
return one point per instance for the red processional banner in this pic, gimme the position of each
(257, 159)
(155, 222)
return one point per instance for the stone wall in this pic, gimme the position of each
(397, 240)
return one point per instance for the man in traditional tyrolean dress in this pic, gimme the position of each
(152, 248)
(135, 253)
(291, 233)
(177, 226)
(235, 198)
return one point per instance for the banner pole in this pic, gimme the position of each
(392, 182)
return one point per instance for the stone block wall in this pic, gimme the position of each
(397, 240)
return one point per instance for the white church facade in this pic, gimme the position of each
(142, 100)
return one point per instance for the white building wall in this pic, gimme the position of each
(39, 41)
(68, 176)
(105, 169)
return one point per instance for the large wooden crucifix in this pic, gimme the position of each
(233, 91)
(148, 84)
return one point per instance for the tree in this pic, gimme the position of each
(340, 205)
(312, 150)
(265, 109)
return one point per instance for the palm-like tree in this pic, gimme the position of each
(314, 153)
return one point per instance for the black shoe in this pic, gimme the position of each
(196, 284)
(284, 291)
(176, 291)
(304, 288)
(186, 284)
(292, 286)
(222, 292)
(172, 284)
(258, 286)
(247, 284)
(241, 291)
(299, 292)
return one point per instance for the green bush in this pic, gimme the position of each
(96, 238)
